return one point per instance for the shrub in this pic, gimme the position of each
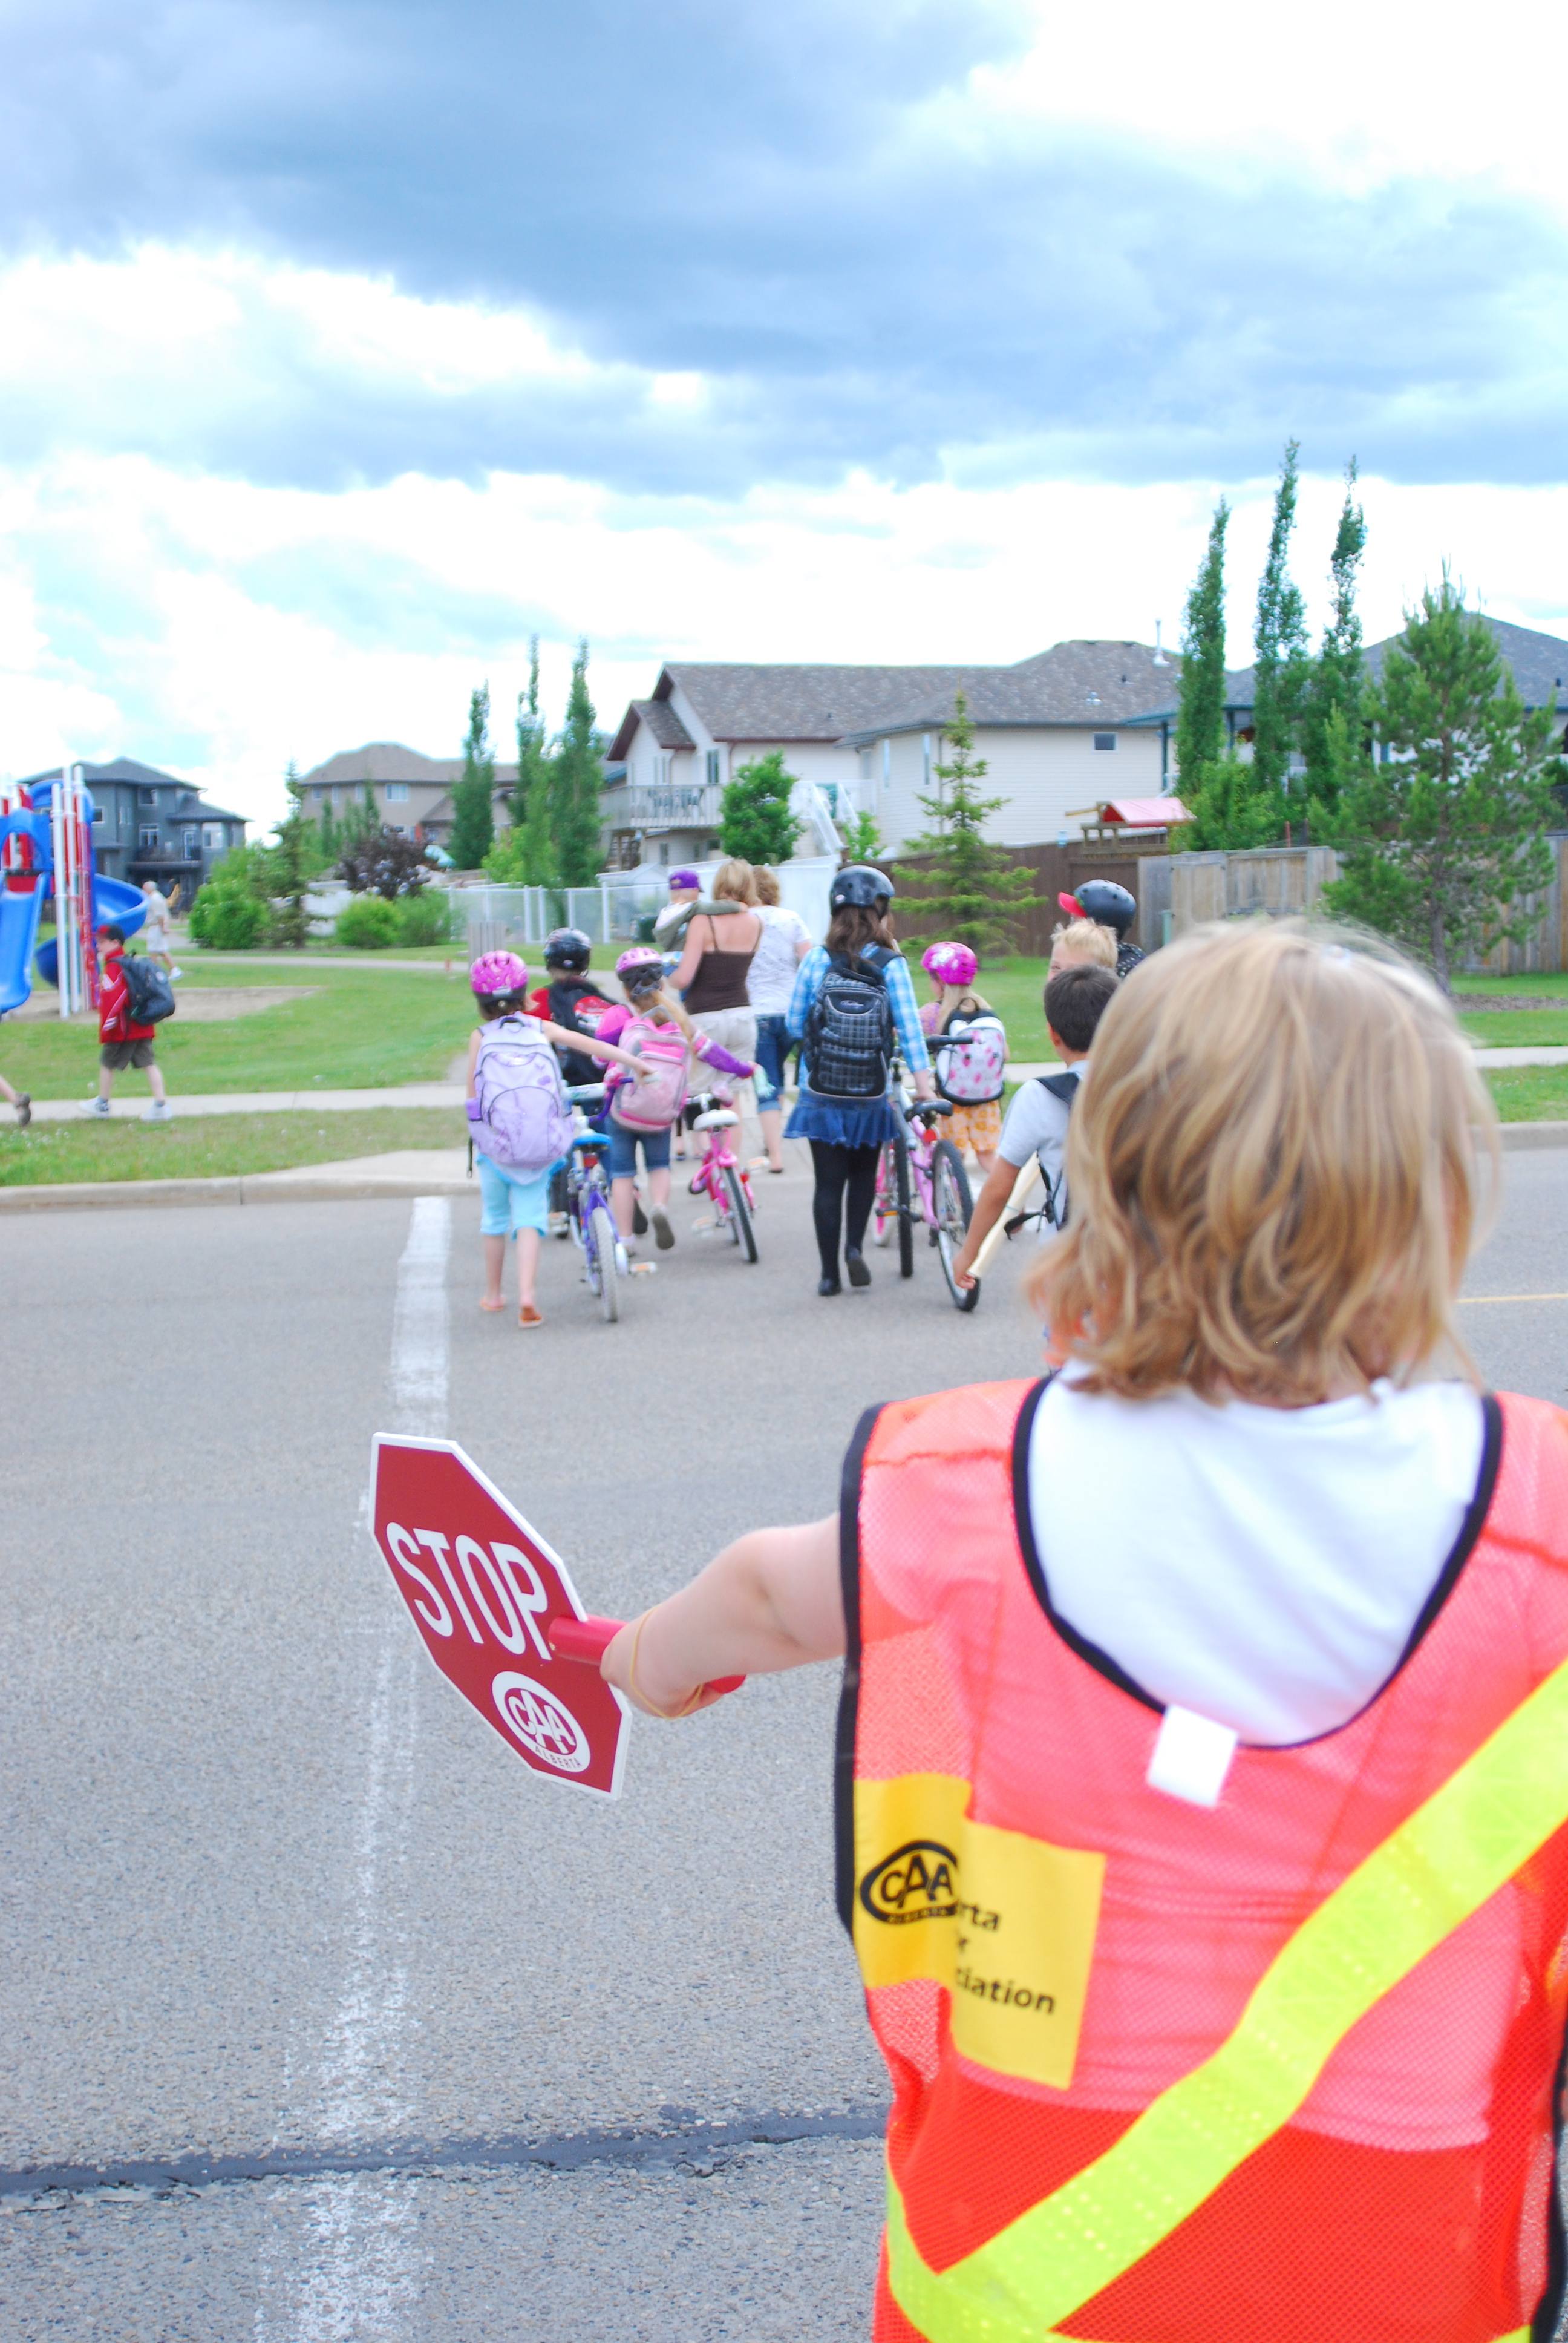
(383, 862)
(369, 923)
(229, 914)
(425, 918)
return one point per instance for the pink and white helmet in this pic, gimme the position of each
(949, 963)
(641, 967)
(499, 971)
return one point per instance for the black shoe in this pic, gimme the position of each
(639, 1219)
(859, 1273)
(827, 1285)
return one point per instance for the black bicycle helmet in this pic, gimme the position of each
(1103, 901)
(568, 947)
(868, 889)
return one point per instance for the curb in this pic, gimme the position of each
(253, 1188)
(1515, 1136)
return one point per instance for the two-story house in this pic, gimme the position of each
(150, 825)
(411, 793)
(1052, 728)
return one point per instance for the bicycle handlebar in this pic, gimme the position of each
(927, 1106)
(585, 1093)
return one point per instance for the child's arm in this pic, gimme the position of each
(989, 1206)
(592, 1047)
(473, 1058)
(770, 1601)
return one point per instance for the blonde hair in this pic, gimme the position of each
(663, 1005)
(1274, 1171)
(1082, 942)
(767, 885)
(734, 883)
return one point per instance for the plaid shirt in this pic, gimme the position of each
(900, 1000)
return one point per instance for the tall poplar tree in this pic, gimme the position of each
(1281, 665)
(577, 782)
(525, 855)
(294, 859)
(1331, 724)
(969, 890)
(1200, 704)
(473, 797)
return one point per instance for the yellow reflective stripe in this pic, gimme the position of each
(1438, 1867)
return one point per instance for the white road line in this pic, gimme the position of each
(356, 2267)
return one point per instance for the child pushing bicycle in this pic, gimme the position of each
(1202, 1762)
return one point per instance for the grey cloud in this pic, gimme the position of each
(758, 194)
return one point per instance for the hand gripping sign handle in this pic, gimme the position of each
(588, 1639)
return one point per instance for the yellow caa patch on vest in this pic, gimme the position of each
(1005, 1922)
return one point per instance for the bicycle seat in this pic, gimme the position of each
(718, 1118)
(589, 1138)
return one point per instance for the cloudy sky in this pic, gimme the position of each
(344, 345)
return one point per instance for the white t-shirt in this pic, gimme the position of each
(1263, 1566)
(770, 979)
(1036, 1124)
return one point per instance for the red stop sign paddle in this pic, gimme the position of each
(484, 1591)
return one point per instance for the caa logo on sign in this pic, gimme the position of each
(919, 1881)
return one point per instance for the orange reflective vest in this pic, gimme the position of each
(1279, 2071)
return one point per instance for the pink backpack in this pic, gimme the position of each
(655, 1103)
(970, 1059)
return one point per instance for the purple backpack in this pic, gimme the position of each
(519, 1114)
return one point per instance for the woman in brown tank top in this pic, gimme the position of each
(715, 964)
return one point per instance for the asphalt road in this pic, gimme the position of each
(322, 2018)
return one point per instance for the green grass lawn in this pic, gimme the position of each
(361, 1029)
(1517, 1028)
(209, 1146)
(1013, 988)
(1531, 1093)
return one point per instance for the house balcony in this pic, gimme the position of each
(655, 806)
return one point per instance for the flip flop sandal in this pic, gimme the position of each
(528, 1316)
(492, 1306)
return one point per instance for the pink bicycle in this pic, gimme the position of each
(722, 1177)
(922, 1178)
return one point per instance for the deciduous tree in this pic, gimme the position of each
(1332, 727)
(577, 782)
(755, 819)
(473, 796)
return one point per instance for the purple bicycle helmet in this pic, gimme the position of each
(949, 963)
(498, 971)
(640, 967)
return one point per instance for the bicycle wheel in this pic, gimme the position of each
(740, 1227)
(599, 1243)
(901, 1150)
(952, 1204)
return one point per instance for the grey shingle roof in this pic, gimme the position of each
(663, 723)
(1084, 682)
(145, 776)
(739, 701)
(1540, 664)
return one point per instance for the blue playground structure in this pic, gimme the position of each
(47, 854)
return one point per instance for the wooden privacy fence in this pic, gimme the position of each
(1280, 880)
(1056, 870)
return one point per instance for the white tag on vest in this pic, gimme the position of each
(1191, 1757)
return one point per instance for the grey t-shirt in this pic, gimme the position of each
(1037, 1125)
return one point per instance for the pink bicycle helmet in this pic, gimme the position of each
(499, 971)
(640, 967)
(949, 963)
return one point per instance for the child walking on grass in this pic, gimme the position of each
(1206, 1708)
(515, 1197)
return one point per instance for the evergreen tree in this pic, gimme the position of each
(755, 821)
(863, 841)
(969, 890)
(524, 855)
(293, 865)
(1331, 725)
(474, 796)
(1200, 705)
(577, 782)
(1443, 837)
(327, 832)
(1281, 665)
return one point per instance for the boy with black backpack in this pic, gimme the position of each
(134, 998)
(1076, 999)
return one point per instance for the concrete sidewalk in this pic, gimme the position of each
(1492, 1060)
(129, 1103)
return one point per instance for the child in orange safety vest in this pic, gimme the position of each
(1202, 1826)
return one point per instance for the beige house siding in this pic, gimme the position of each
(1046, 775)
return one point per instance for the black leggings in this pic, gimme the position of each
(845, 1184)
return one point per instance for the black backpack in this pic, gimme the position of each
(152, 996)
(563, 996)
(849, 1031)
(1065, 1088)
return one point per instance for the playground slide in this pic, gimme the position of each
(18, 932)
(112, 900)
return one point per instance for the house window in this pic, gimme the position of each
(712, 768)
(212, 834)
(664, 850)
(97, 815)
(397, 794)
(193, 845)
(865, 764)
(887, 764)
(397, 829)
(926, 759)
(661, 766)
(146, 796)
(1105, 739)
(148, 839)
(318, 792)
